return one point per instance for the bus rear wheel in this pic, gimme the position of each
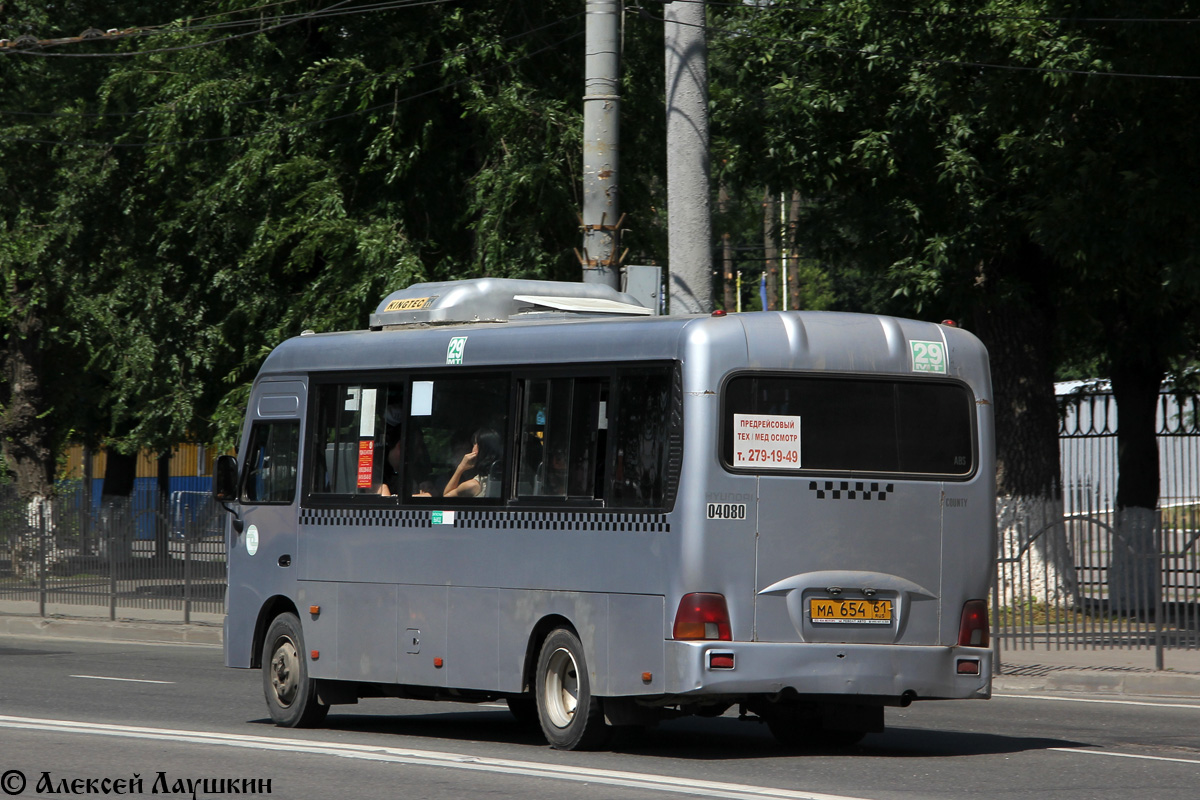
(571, 718)
(291, 694)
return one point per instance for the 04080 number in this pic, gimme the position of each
(726, 510)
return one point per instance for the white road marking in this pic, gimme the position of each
(1124, 755)
(427, 758)
(126, 680)
(1062, 699)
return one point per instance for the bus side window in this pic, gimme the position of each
(564, 438)
(354, 426)
(642, 432)
(457, 428)
(271, 461)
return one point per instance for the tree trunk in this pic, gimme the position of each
(793, 276)
(162, 520)
(116, 505)
(770, 251)
(1015, 319)
(25, 433)
(1137, 375)
(26, 436)
(729, 281)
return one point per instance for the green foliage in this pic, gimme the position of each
(936, 138)
(187, 207)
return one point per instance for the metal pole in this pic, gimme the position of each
(187, 572)
(111, 533)
(85, 518)
(601, 219)
(39, 505)
(783, 246)
(1160, 608)
(689, 212)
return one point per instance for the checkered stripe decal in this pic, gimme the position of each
(496, 520)
(382, 517)
(562, 521)
(858, 490)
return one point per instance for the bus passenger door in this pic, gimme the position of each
(260, 555)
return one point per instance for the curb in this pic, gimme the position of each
(138, 632)
(1114, 680)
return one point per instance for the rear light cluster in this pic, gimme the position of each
(704, 616)
(973, 627)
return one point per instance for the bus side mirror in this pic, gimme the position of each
(225, 487)
(225, 480)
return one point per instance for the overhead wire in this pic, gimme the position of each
(301, 124)
(919, 60)
(282, 21)
(775, 6)
(293, 95)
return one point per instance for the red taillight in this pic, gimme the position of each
(973, 629)
(702, 615)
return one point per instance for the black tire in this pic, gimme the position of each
(524, 708)
(571, 718)
(291, 695)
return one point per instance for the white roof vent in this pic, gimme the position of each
(499, 300)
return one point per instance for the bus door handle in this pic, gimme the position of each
(285, 560)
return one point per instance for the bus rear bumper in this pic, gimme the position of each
(902, 672)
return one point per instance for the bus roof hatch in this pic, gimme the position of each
(499, 300)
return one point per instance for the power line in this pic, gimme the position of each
(743, 34)
(296, 125)
(25, 45)
(291, 96)
(775, 6)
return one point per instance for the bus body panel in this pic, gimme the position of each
(398, 634)
(885, 673)
(396, 547)
(405, 601)
(825, 531)
(269, 530)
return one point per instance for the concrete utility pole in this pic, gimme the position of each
(601, 151)
(689, 217)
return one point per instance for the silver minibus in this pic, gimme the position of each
(542, 493)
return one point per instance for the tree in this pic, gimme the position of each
(46, 385)
(887, 117)
(1118, 213)
(231, 179)
(1010, 162)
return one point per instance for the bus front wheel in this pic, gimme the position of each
(571, 718)
(291, 694)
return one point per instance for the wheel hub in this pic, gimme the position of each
(284, 672)
(562, 688)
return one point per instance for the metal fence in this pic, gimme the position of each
(1076, 573)
(150, 558)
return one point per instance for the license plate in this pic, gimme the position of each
(850, 612)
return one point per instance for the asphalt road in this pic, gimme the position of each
(73, 711)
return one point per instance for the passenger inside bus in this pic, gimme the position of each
(418, 463)
(475, 475)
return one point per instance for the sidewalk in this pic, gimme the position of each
(147, 627)
(1108, 671)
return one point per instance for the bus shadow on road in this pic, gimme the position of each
(721, 739)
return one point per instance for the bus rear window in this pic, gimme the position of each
(861, 425)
